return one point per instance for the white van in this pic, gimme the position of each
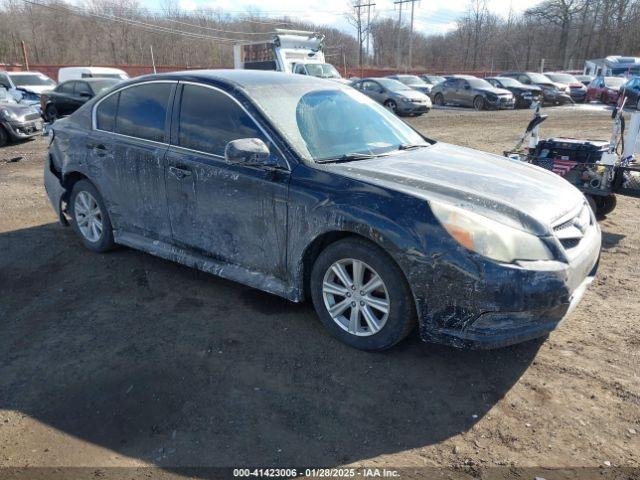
(76, 73)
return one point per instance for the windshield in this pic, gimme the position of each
(613, 81)
(433, 79)
(562, 77)
(329, 123)
(538, 78)
(479, 83)
(393, 85)
(410, 80)
(38, 79)
(100, 85)
(509, 82)
(323, 70)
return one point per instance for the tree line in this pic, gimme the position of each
(562, 33)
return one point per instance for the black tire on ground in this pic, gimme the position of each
(439, 99)
(4, 137)
(478, 103)
(51, 113)
(105, 241)
(402, 311)
(607, 205)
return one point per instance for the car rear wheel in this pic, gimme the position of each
(391, 105)
(361, 296)
(90, 218)
(51, 113)
(4, 138)
(439, 99)
(478, 103)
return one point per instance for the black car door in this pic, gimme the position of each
(81, 93)
(232, 212)
(126, 151)
(62, 98)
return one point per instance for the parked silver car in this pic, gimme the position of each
(396, 96)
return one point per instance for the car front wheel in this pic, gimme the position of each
(439, 99)
(90, 218)
(361, 295)
(478, 103)
(391, 105)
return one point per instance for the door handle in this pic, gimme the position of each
(179, 172)
(96, 146)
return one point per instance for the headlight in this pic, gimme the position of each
(489, 238)
(405, 99)
(8, 114)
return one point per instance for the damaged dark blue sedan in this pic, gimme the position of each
(308, 189)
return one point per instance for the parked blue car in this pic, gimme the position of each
(309, 189)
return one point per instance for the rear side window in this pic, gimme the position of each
(142, 111)
(210, 119)
(66, 87)
(106, 113)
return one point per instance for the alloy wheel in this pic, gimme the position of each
(391, 105)
(88, 216)
(356, 297)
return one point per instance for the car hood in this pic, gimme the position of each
(413, 94)
(20, 110)
(510, 191)
(37, 88)
(526, 88)
(495, 91)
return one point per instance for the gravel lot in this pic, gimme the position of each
(124, 359)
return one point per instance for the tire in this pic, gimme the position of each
(391, 105)
(51, 113)
(592, 203)
(84, 200)
(439, 99)
(355, 328)
(606, 205)
(4, 137)
(638, 104)
(478, 103)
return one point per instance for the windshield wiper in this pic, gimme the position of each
(411, 146)
(347, 157)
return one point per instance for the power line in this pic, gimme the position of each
(135, 23)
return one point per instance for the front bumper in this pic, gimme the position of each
(413, 107)
(501, 104)
(477, 303)
(22, 130)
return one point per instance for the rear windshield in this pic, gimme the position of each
(562, 77)
(479, 83)
(393, 85)
(410, 80)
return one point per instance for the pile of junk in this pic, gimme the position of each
(600, 169)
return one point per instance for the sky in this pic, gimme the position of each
(431, 16)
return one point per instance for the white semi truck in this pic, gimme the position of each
(289, 51)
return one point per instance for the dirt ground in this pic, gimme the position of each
(124, 359)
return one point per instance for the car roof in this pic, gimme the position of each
(246, 79)
(30, 72)
(92, 80)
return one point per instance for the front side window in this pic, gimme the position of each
(106, 113)
(142, 111)
(210, 119)
(83, 88)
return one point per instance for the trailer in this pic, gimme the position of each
(289, 51)
(600, 169)
(612, 66)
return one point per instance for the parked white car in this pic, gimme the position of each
(35, 82)
(77, 73)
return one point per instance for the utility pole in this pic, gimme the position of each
(24, 55)
(153, 61)
(400, 3)
(368, 28)
(357, 8)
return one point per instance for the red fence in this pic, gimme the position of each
(51, 70)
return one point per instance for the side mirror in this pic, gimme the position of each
(248, 151)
